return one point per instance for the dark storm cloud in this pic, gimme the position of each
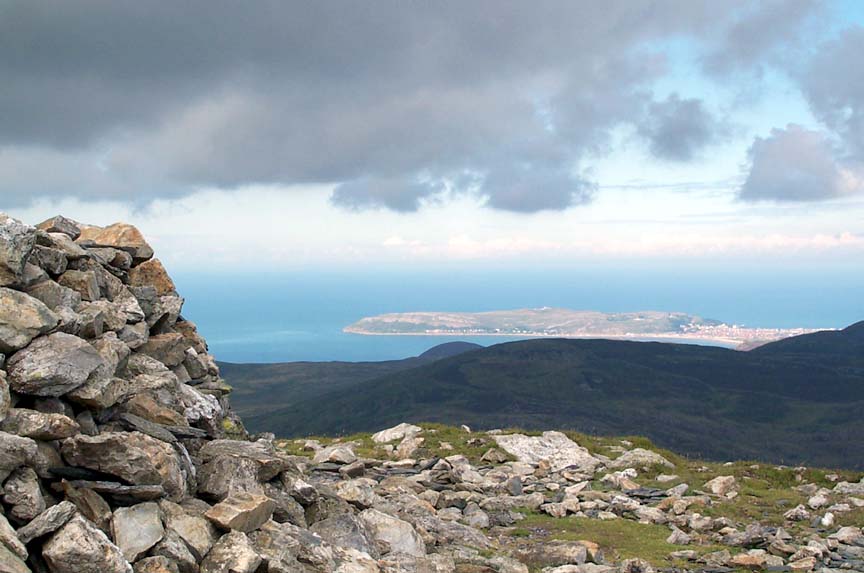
(796, 164)
(679, 129)
(144, 99)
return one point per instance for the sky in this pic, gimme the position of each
(286, 135)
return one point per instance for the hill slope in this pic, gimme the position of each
(793, 401)
(262, 388)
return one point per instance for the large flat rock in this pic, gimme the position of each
(552, 447)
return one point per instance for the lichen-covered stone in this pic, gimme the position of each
(39, 425)
(52, 365)
(233, 553)
(79, 547)
(132, 456)
(16, 243)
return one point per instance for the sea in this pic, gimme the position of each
(284, 316)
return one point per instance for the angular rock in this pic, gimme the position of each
(639, 458)
(241, 512)
(60, 224)
(722, 485)
(153, 274)
(169, 348)
(16, 243)
(398, 432)
(48, 521)
(61, 242)
(136, 529)
(23, 494)
(395, 535)
(5, 397)
(11, 562)
(22, 318)
(233, 553)
(554, 553)
(346, 530)
(38, 425)
(52, 365)
(145, 406)
(109, 256)
(79, 547)
(157, 564)
(198, 533)
(555, 448)
(56, 297)
(50, 260)
(120, 236)
(82, 282)
(9, 539)
(15, 451)
(132, 456)
(338, 453)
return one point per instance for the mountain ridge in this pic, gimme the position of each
(775, 403)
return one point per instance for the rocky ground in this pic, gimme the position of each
(119, 452)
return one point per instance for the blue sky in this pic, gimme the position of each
(422, 136)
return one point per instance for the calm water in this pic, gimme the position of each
(272, 317)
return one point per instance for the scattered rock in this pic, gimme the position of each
(639, 458)
(722, 485)
(555, 448)
(398, 432)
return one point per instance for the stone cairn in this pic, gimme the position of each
(119, 453)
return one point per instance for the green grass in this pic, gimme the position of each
(618, 538)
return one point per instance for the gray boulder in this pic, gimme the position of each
(79, 547)
(392, 533)
(22, 318)
(48, 259)
(23, 494)
(136, 529)
(54, 296)
(346, 530)
(52, 365)
(48, 521)
(16, 243)
(39, 425)
(15, 451)
(242, 512)
(233, 553)
(60, 224)
(10, 539)
(132, 456)
(554, 448)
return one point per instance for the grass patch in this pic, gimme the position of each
(618, 538)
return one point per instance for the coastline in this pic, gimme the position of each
(634, 337)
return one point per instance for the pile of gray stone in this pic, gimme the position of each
(119, 453)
